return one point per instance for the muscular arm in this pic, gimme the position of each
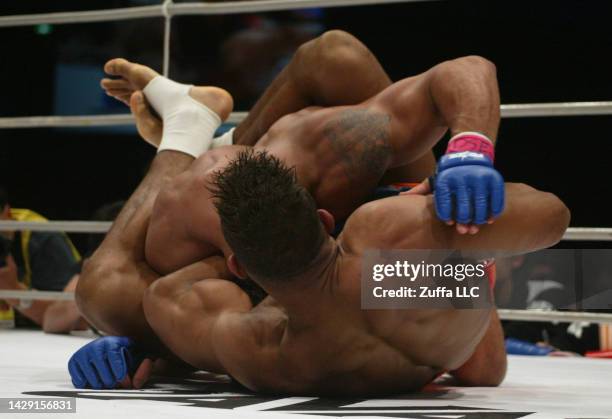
(532, 220)
(460, 95)
(184, 307)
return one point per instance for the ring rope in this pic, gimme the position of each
(504, 314)
(507, 111)
(571, 234)
(167, 29)
(171, 9)
(65, 226)
(37, 295)
(554, 316)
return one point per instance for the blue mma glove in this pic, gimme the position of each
(105, 362)
(467, 188)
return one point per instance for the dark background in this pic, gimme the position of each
(545, 51)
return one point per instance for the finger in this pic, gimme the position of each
(125, 383)
(77, 376)
(462, 228)
(142, 374)
(481, 203)
(117, 67)
(422, 188)
(473, 229)
(443, 200)
(108, 84)
(104, 371)
(450, 222)
(118, 364)
(117, 92)
(497, 190)
(463, 203)
(90, 374)
(120, 96)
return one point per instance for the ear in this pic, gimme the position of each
(235, 267)
(327, 219)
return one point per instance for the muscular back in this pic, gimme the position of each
(340, 155)
(322, 342)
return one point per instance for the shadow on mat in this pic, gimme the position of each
(225, 394)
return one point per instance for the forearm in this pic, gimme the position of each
(465, 94)
(183, 307)
(459, 95)
(32, 309)
(532, 220)
(62, 317)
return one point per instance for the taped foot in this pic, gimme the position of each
(191, 114)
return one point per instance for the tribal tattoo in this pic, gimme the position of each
(361, 140)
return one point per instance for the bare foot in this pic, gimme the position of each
(134, 77)
(149, 127)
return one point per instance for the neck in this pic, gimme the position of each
(296, 293)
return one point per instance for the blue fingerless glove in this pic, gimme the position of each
(103, 363)
(467, 188)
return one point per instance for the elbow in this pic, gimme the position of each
(484, 372)
(559, 220)
(478, 64)
(497, 374)
(473, 65)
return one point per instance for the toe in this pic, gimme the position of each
(117, 67)
(110, 84)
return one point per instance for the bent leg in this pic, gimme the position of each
(332, 70)
(113, 281)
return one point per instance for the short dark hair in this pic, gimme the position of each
(267, 218)
(3, 198)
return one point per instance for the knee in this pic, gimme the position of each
(333, 50)
(341, 47)
(336, 39)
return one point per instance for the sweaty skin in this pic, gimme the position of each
(340, 154)
(310, 336)
(286, 344)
